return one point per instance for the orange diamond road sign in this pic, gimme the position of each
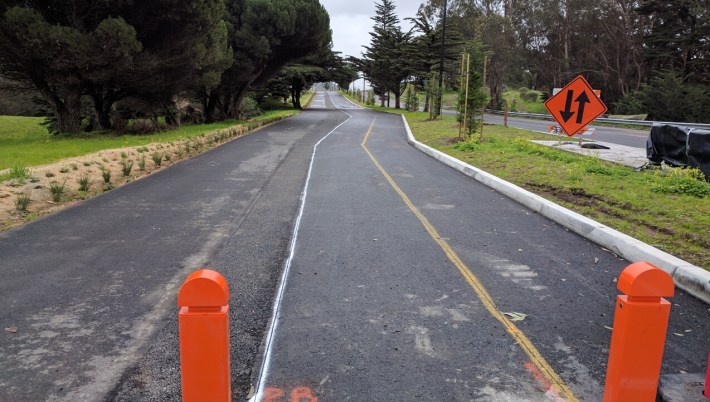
(575, 106)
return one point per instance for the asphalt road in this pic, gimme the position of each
(376, 308)
(92, 289)
(373, 308)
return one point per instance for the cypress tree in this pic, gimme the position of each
(266, 35)
(110, 50)
(386, 61)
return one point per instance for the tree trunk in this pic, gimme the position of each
(69, 114)
(102, 106)
(426, 102)
(296, 98)
(233, 108)
(68, 111)
(210, 106)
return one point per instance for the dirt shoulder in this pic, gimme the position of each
(102, 171)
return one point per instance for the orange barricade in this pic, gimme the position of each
(204, 337)
(638, 338)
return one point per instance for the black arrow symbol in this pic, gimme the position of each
(581, 99)
(568, 113)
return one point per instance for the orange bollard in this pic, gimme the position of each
(204, 337)
(639, 335)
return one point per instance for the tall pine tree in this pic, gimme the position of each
(386, 61)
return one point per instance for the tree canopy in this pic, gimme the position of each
(624, 48)
(266, 36)
(100, 52)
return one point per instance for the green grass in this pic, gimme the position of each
(668, 209)
(516, 103)
(306, 97)
(25, 142)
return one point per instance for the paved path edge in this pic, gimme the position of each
(689, 277)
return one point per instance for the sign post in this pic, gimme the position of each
(575, 106)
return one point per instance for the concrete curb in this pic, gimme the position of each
(686, 276)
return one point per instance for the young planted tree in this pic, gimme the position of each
(472, 99)
(411, 100)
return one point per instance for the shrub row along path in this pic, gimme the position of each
(383, 299)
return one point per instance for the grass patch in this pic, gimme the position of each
(157, 158)
(84, 182)
(57, 190)
(525, 100)
(19, 172)
(106, 173)
(22, 202)
(23, 140)
(306, 97)
(669, 209)
(126, 166)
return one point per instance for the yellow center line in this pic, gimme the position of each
(526, 345)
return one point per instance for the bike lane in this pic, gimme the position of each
(374, 308)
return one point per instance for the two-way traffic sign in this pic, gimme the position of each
(575, 106)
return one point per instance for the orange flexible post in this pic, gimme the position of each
(204, 337)
(638, 338)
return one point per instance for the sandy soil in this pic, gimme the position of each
(68, 172)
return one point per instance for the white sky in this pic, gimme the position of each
(351, 23)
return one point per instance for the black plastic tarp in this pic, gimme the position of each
(679, 146)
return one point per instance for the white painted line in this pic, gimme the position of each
(691, 278)
(274, 322)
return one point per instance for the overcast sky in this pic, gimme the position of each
(351, 23)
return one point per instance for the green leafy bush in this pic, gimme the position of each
(249, 108)
(467, 146)
(681, 181)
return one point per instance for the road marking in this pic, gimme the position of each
(541, 377)
(300, 394)
(274, 322)
(557, 385)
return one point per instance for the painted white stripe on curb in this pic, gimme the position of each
(686, 276)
